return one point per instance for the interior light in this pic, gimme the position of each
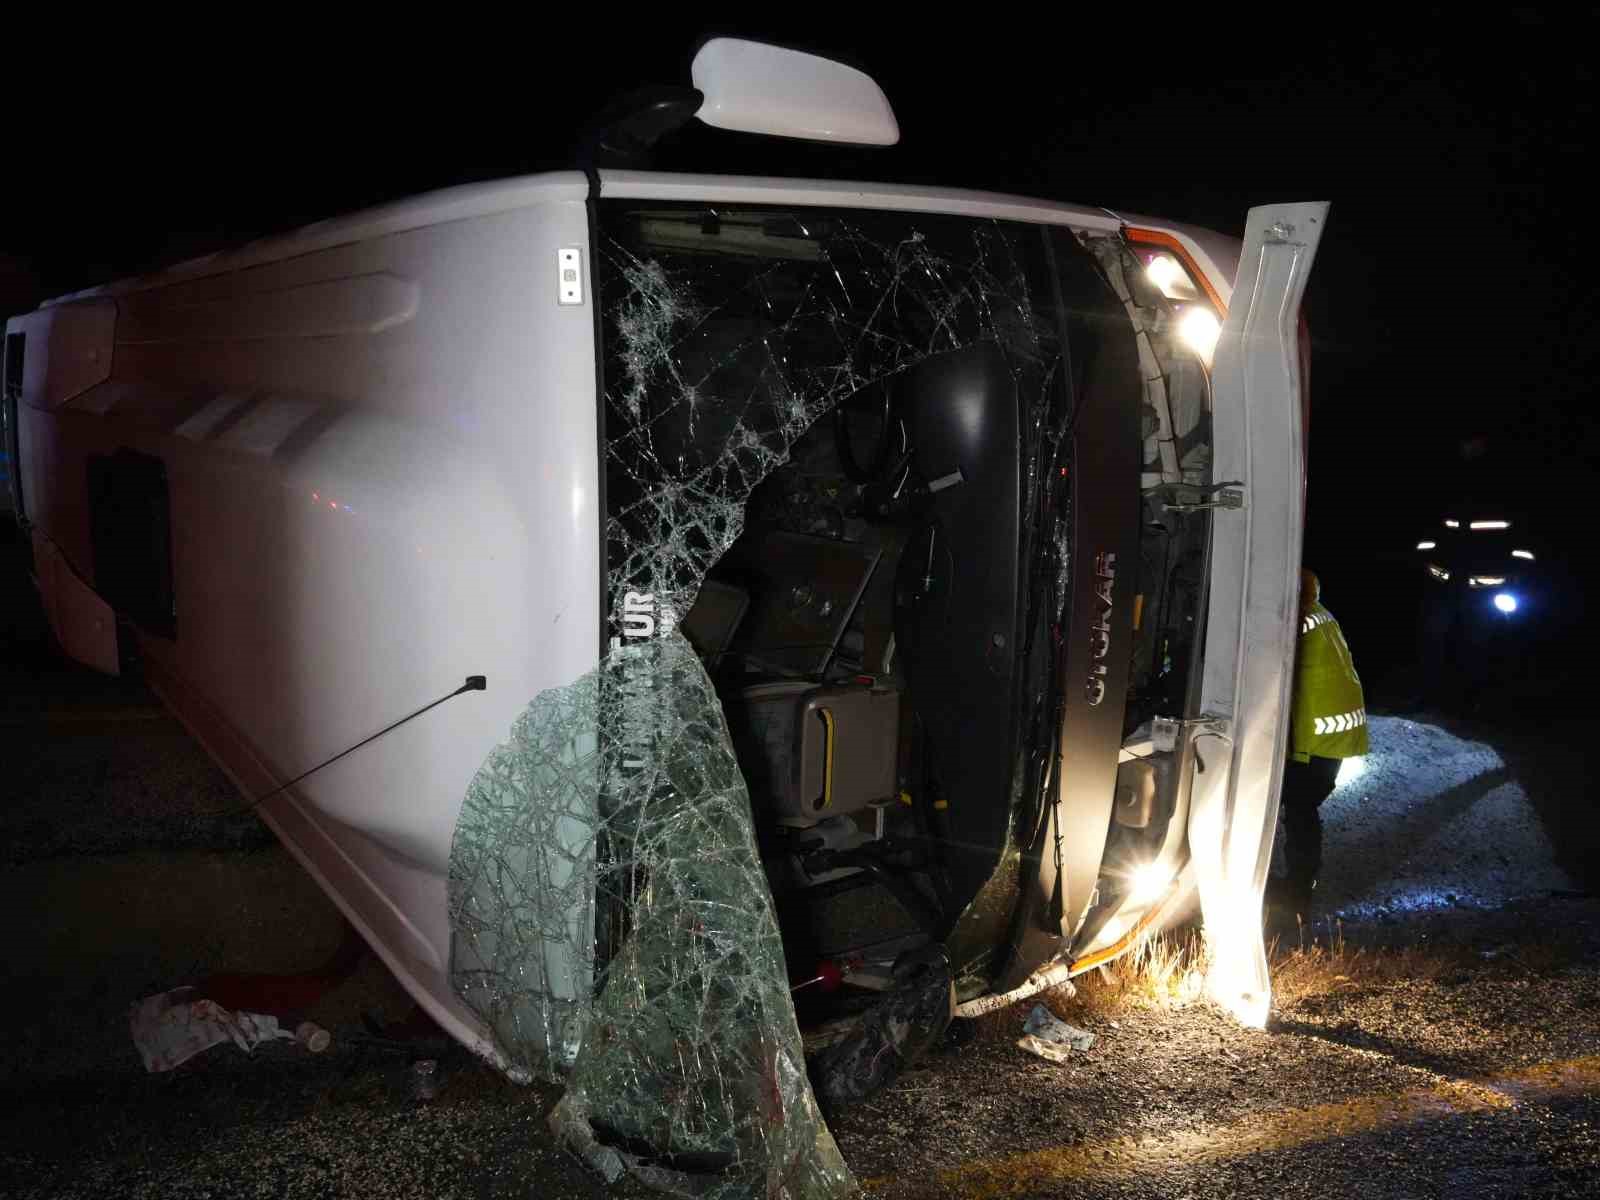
(1527, 554)
(1199, 329)
(1168, 274)
(1426, 545)
(1490, 525)
(1148, 882)
(1452, 524)
(1505, 602)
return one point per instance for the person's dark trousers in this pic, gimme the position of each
(1305, 786)
(1438, 651)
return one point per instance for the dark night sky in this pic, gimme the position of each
(1452, 295)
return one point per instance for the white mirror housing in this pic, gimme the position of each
(753, 87)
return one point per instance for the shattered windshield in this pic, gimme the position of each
(729, 334)
(612, 892)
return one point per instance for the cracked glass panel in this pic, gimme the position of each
(680, 1049)
(729, 334)
(611, 889)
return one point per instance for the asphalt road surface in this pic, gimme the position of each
(1471, 1069)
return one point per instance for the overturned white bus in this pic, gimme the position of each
(884, 586)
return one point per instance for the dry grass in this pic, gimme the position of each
(1163, 972)
(1320, 967)
(1168, 971)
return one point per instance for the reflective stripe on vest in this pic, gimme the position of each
(1339, 722)
(1313, 620)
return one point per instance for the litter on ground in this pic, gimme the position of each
(171, 1028)
(1051, 1038)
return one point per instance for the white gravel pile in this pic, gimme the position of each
(1431, 822)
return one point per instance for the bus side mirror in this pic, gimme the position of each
(753, 87)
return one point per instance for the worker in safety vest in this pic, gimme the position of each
(1329, 724)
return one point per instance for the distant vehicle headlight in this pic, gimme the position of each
(1426, 545)
(1527, 554)
(1452, 524)
(1505, 602)
(1486, 581)
(1438, 572)
(1490, 525)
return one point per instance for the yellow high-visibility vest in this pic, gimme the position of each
(1330, 713)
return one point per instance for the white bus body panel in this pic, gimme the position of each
(380, 446)
(381, 440)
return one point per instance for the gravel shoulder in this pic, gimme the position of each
(1149, 1102)
(1461, 848)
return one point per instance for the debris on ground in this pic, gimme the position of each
(891, 1036)
(1050, 1038)
(1049, 1051)
(572, 1130)
(425, 1080)
(171, 1028)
